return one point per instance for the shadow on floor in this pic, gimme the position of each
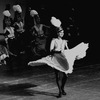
(17, 89)
(27, 71)
(22, 90)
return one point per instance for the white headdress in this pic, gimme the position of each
(56, 22)
(33, 12)
(17, 8)
(6, 13)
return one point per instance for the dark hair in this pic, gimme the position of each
(17, 15)
(59, 29)
(37, 18)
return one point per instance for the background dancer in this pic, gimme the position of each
(19, 28)
(7, 16)
(39, 33)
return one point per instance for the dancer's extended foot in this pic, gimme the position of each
(63, 92)
(59, 95)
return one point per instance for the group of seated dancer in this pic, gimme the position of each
(12, 28)
(17, 38)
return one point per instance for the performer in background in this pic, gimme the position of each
(8, 29)
(9, 33)
(61, 58)
(3, 54)
(19, 27)
(5, 42)
(40, 34)
(7, 16)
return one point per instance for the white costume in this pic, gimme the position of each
(71, 55)
(17, 8)
(62, 59)
(11, 34)
(6, 13)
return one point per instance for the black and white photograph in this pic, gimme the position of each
(49, 50)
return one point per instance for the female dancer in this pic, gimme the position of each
(57, 47)
(8, 30)
(60, 59)
(9, 35)
(19, 28)
(39, 33)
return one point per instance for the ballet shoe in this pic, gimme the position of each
(63, 93)
(59, 95)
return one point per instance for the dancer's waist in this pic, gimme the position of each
(57, 51)
(53, 52)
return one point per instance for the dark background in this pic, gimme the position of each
(83, 15)
(85, 21)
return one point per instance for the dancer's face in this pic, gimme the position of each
(61, 34)
(19, 19)
(8, 22)
(37, 19)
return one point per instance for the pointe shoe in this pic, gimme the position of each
(59, 95)
(63, 92)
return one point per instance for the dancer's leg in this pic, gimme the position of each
(64, 79)
(59, 77)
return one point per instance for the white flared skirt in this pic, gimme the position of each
(63, 61)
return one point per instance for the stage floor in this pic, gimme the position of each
(39, 84)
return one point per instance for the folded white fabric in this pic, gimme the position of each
(76, 53)
(17, 8)
(3, 56)
(56, 22)
(33, 12)
(6, 13)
